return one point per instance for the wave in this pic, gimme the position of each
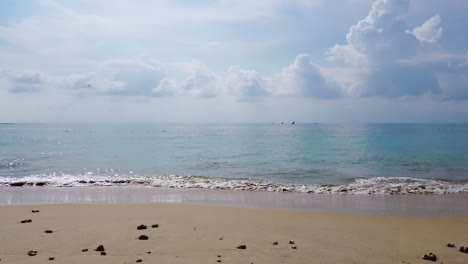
(376, 185)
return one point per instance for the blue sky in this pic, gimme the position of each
(234, 61)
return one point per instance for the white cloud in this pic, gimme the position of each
(429, 31)
(246, 84)
(198, 81)
(302, 78)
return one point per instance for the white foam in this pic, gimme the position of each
(377, 185)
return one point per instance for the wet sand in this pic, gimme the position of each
(190, 233)
(414, 205)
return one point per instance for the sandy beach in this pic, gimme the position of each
(211, 234)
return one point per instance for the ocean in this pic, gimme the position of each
(309, 158)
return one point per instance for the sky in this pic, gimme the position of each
(228, 61)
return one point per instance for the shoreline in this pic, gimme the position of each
(189, 233)
(406, 205)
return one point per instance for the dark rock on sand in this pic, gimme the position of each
(49, 231)
(35, 211)
(143, 237)
(32, 253)
(220, 238)
(28, 221)
(294, 247)
(103, 253)
(291, 243)
(139, 260)
(275, 243)
(84, 250)
(219, 256)
(155, 226)
(149, 252)
(100, 248)
(141, 227)
(450, 245)
(51, 258)
(431, 257)
(41, 183)
(17, 184)
(464, 249)
(242, 247)
(218, 260)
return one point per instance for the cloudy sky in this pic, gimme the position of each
(234, 61)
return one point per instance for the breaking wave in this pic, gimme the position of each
(376, 185)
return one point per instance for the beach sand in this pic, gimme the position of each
(199, 233)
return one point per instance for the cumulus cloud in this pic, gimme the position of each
(305, 79)
(380, 58)
(246, 84)
(118, 77)
(429, 31)
(198, 81)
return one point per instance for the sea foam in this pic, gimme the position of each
(376, 185)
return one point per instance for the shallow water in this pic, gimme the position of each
(377, 158)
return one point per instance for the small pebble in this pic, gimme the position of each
(275, 243)
(219, 256)
(35, 211)
(242, 247)
(100, 248)
(291, 242)
(451, 245)
(51, 258)
(143, 237)
(32, 253)
(139, 260)
(218, 260)
(141, 227)
(149, 252)
(49, 231)
(294, 247)
(431, 257)
(220, 238)
(84, 250)
(103, 253)
(155, 226)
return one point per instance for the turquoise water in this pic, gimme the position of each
(300, 154)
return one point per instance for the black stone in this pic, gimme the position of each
(100, 248)
(218, 260)
(84, 250)
(143, 237)
(431, 257)
(51, 258)
(291, 243)
(139, 260)
(275, 243)
(103, 253)
(242, 247)
(294, 247)
(17, 184)
(49, 231)
(219, 256)
(32, 253)
(155, 226)
(28, 221)
(450, 245)
(41, 183)
(141, 227)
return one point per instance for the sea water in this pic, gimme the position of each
(314, 158)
